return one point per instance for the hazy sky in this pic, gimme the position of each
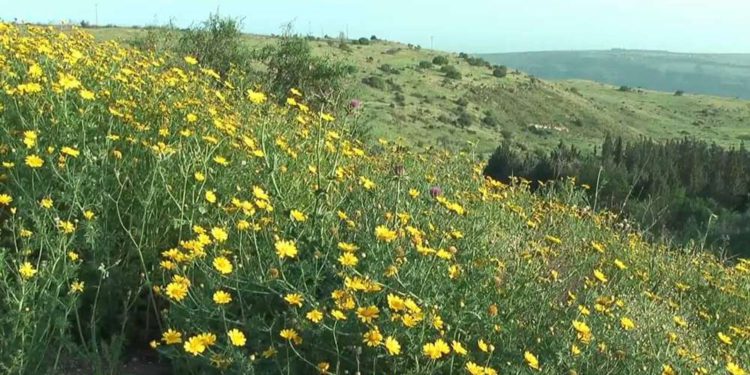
(464, 25)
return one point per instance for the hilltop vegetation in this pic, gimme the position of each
(713, 74)
(146, 197)
(467, 99)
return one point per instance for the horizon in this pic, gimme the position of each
(472, 26)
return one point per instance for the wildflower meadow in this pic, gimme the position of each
(149, 203)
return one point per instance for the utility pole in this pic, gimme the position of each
(431, 41)
(96, 14)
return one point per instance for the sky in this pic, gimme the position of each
(472, 26)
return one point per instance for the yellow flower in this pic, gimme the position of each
(221, 297)
(384, 234)
(200, 177)
(195, 346)
(294, 299)
(366, 183)
(5, 199)
(295, 91)
(286, 249)
(171, 337)
(531, 360)
(223, 265)
(372, 337)
(680, 321)
(600, 276)
(256, 97)
(620, 264)
(327, 117)
(76, 287)
(348, 247)
(323, 367)
(627, 324)
(34, 161)
(298, 216)
(485, 347)
(219, 234)
(338, 315)
(735, 369)
(348, 260)
(89, 215)
(177, 290)
(46, 202)
(458, 348)
(291, 335)
(314, 316)
(667, 370)
(474, 369)
(414, 193)
(436, 350)
(575, 350)
(210, 196)
(270, 352)
(221, 160)
(27, 270)
(191, 118)
(724, 338)
(190, 60)
(86, 94)
(66, 226)
(70, 151)
(368, 314)
(236, 337)
(392, 346)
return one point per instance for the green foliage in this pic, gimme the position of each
(375, 82)
(440, 60)
(291, 64)
(216, 43)
(451, 72)
(424, 64)
(676, 186)
(363, 41)
(500, 71)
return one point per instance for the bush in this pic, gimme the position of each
(291, 64)
(500, 71)
(216, 43)
(440, 60)
(424, 64)
(375, 82)
(679, 93)
(490, 120)
(464, 119)
(625, 89)
(451, 72)
(388, 69)
(363, 41)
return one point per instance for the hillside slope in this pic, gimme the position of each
(713, 74)
(422, 106)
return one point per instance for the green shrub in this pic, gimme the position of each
(216, 43)
(291, 64)
(440, 60)
(500, 71)
(424, 64)
(375, 82)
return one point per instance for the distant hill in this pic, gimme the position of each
(715, 74)
(421, 105)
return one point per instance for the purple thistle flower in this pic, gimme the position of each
(436, 191)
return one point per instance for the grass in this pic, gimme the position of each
(145, 204)
(584, 111)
